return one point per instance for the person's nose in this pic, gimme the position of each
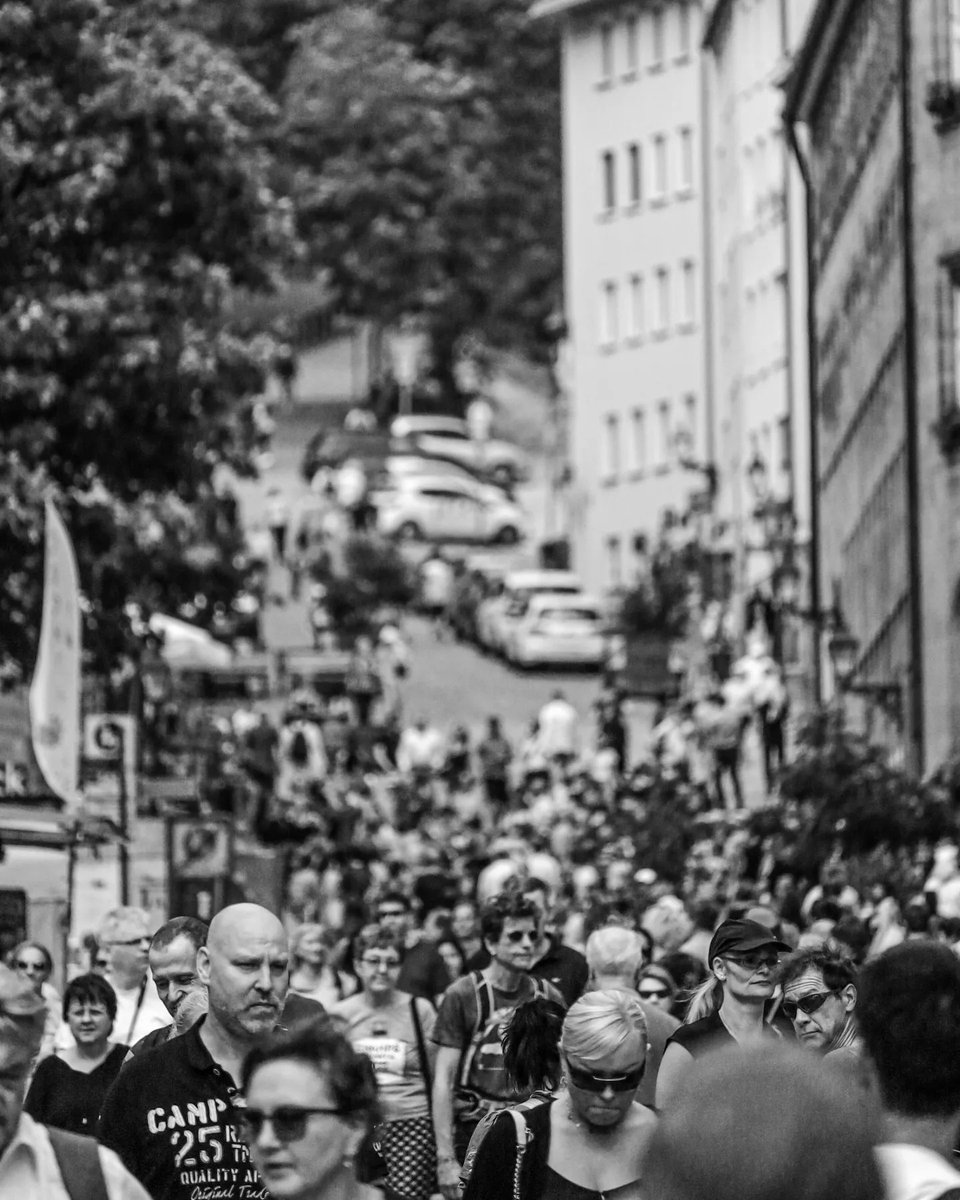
(607, 1094)
(265, 979)
(267, 1139)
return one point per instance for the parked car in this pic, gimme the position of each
(500, 461)
(497, 615)
(332, 447)
(558, 630)
(443, 508)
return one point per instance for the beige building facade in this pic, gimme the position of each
(634, 272)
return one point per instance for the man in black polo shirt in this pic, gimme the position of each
(171, 1114)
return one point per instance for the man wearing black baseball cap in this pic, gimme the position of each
(728, 1009)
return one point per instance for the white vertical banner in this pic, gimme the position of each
(55, 689)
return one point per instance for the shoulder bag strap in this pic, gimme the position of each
(523, 1139)
(422, 1051)
(136, 1011)
(78, 1159)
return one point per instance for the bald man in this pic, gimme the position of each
(171, 1115)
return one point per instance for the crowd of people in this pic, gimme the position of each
(493, 1032)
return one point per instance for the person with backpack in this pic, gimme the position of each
(589, 1139)
(37, 1162)
(471, 1078)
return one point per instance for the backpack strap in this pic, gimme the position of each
(422, 1051)
(78, 1159)
(484, 997)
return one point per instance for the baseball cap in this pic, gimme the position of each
(740, 937)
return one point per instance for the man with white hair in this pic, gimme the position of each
(171, 1115)
(35, 1161)
(615, 958)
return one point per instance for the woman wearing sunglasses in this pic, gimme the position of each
(729, 1009)
(392, 1028)
(34, 962)
(589, 1141)
(310, 1101)
(657, 987)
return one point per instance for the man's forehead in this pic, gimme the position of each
(512, 923)
(809, 981)
(239, 942)
(181, 949)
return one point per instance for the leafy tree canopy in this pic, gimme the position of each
(133, 198)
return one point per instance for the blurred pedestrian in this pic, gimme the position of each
(313, 968)
(363, 682)
(559, 727)
(278, 522)
(34, 962)
(495, 756)
(764, 1123)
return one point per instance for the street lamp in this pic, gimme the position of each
(683, 448)
(844, 650)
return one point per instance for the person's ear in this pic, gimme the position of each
(849, 997)
(203, 966)
(718, 968)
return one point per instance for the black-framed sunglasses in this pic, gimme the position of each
(586, 1081)
(653, 993)
(805, 1004)
(23, 965)
(516, 936)
(754, 960)
(289, 1122)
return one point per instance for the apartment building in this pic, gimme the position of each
(756, 304)
(875, 104)
(634, 271)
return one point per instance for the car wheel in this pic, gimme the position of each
(508, 536)
(410, 531)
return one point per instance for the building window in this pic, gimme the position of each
(664, 434)
(690, 424)
(606, 54)
(608, 170)
(785, 437)
(637, 310)
(614, 562)
(610, 466)
(685, 186)
(638, 440)
(685, 34)
(657, 35)
(688, 294)
(635, 166)
(662, 315)
(632, 32)
(608, 315)
(660, 171)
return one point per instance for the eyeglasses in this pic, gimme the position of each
(586, 1081)
(289, 1123)
(386, 913)
(381, 964)
(754, 960)
(102, 963)
(653, 993)
(806, 1004)
(516, 936)
(23, 965)
(131, 941)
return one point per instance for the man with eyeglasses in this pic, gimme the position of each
(820, 1000)
(470, 1079)
(124, 940)
(171, 1115)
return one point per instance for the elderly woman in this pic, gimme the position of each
(313, 973)
(69, 1088)
(590, 1141)
(729, 1009)
(393, 1029)
(311, 1101)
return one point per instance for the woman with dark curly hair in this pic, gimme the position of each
(69, 1087)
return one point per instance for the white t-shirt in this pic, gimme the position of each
(558, 728)
(914, 1172)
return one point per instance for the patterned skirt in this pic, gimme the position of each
(410, 1152)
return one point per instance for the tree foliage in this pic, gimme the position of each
(133, 197)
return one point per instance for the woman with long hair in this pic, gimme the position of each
(589, 1141)
(729, 1008)
(34, 962)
